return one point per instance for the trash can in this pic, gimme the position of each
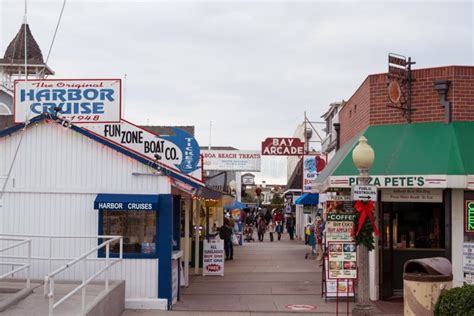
(423, 282)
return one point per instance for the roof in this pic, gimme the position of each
(168, 130)
(411, 149)
(332, 107)
(15, 52)
(166, 170)
(218, 148)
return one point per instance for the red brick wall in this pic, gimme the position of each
(371, 100)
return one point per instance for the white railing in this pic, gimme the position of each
(21, 266)
(49, 279)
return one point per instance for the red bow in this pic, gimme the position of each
(366, 210)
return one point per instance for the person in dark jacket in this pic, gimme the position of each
(290, 226)
(225, 233)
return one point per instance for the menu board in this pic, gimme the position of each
(468, 262)
(342, 258)
(213, 257)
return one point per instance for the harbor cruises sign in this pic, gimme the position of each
(78, 100)
(180, 151)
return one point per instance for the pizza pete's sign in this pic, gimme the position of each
(180, 151)
(79, 101)
(402, 181)
(282, 147)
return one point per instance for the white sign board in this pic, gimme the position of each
(232, 160)
(468, 257)
(309, 173)
(179, 152)
(80, 100)
(364, 193)
(213, 257)
(412, 195)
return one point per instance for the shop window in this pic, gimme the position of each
(138, 229)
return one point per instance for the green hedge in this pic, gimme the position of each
(456, 301)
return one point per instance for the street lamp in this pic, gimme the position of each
(363, 157)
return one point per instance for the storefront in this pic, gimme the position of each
(422, 172)
(80, 184)
(306, 212)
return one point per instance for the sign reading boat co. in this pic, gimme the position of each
(179, 151)
(79, 100)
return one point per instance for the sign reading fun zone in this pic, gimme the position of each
(80, 100)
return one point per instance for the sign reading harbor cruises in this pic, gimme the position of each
(180, 151)
(80, 100)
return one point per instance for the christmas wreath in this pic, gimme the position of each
(365, 223)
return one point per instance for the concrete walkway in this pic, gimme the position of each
(263, 279)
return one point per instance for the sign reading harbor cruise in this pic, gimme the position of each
(80, 100)
(180, 151)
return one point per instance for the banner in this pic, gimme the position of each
(232, 160)
(213, 257)
(282, 147)
(312, 166)
(180, 151)
(79, 100)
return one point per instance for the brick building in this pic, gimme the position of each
(423, 169)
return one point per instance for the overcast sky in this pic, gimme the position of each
(252, 68)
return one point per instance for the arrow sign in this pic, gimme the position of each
(364, 193)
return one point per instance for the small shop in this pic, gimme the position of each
(82, 184)
(306, 212)
(422, 173)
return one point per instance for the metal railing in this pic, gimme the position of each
(21, 266)
(49, 279)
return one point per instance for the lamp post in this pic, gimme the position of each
(363, 157)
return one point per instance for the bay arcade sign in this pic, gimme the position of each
(278, 146)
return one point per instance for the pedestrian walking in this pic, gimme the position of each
(261, 227)
(225, 233)
(268, 217)
(271, 229)
(290, 226)
(278, 219)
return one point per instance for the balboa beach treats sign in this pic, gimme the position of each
(231, 160)
(180, 151)
(79, 100)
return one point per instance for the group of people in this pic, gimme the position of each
(314, 236)
(265, 221)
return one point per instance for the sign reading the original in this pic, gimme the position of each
(213, 257)
(364, 192)
(412, 195)
(277, 146)
(79, 100)
(232, 160)
(469, 218)
(180, 151)
(342, 260)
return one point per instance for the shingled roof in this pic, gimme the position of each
(168, 130)
(15, 52)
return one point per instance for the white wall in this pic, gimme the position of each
(457, 234)
(55, 179)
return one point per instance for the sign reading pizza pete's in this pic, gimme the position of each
(79, 100)
(282, 147)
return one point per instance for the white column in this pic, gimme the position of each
(457, 237)
(189, 205)
(197, 205)
(374, 264)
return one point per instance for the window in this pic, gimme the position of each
(138, 229)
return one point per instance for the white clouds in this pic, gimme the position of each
(250, 67)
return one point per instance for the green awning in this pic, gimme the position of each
(427, 149)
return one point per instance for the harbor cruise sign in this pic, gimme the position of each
(79, 100)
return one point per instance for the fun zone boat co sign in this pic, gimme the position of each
(79, 100)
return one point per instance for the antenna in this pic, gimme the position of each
(26, 44)
(124, 94)
(210, 133)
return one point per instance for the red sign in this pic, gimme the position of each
(278, 146)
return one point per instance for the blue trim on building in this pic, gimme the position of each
(165, 240)
(176, 222)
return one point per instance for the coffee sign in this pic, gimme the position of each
(277, 146)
